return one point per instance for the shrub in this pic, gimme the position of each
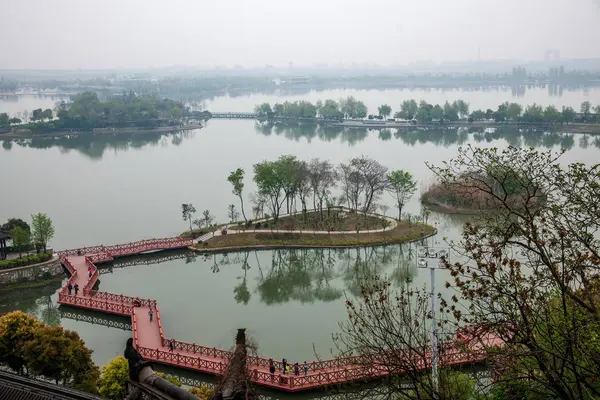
(26, 260)
(113, 381)
(203, 392)
(169, 378)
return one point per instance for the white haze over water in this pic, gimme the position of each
(67, 34)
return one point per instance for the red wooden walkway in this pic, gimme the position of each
(150, 341)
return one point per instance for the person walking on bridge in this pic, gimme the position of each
(284, 366)
(76, 287)
(272, 368)
(69, 288)
(171, 345)
(150, 314)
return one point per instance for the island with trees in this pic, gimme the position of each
(479, 191)
(313, 204)
(86, 112)
(348, 111)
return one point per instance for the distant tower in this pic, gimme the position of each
(291, 65)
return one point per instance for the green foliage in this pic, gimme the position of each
(330, 109)
(353, 108)
(21, 239)
(236, 178)
(4, 119)
(296, 109)
(12, 222)
(86, 111)
(568, 114)
(453, 385)
(114, 377)
(59, 355)
(26, 260)
(16, 330)
(451, 111)
(203, 392)
(170, 378)
(403, 186)
(187, 213)
(384, 110)
(42, 229)
(409, 108)
(263, 109)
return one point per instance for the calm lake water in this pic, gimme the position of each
(116, 189)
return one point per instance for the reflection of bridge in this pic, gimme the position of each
(91, 318)
(147, 259)
(151, 343)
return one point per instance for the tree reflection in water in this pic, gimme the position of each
(95, 145)
(314, 275)
(442, 136)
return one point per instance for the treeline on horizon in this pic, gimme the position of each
(425, 113)
(86, 111)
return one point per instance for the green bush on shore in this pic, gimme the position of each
(26, 260)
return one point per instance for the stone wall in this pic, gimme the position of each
(41, 271)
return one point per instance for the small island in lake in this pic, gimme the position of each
(473, 193)
(343, 228)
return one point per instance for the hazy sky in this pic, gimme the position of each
(155, 33)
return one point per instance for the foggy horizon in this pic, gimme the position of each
(94, 34)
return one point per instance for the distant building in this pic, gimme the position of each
(291, 80)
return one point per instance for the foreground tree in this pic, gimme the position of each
(61, 355)
(187, 213)
(114, 377)
(21, 239)
(389, 330)
(43, 229)
(403, 186)
(16, 330)
(534, 275)
(236, 178)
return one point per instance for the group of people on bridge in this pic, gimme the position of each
(70, 288)
(286, 369)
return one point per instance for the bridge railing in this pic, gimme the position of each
(160, 327)
(121, 299)
(197, 349)
(96, 304)
(122, 249)
(82, 250)
(99, 257)
(65, 261)
(207, 365)
(92, 278)
(134, 327)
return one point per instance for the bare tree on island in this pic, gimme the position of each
(187, 213)
(236, 178)
(531, 267)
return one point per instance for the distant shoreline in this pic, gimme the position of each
(571, 128)
(165, 129)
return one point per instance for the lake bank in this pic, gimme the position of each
(165, 129)
(403, 232)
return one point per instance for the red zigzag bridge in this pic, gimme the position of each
(150, 340)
